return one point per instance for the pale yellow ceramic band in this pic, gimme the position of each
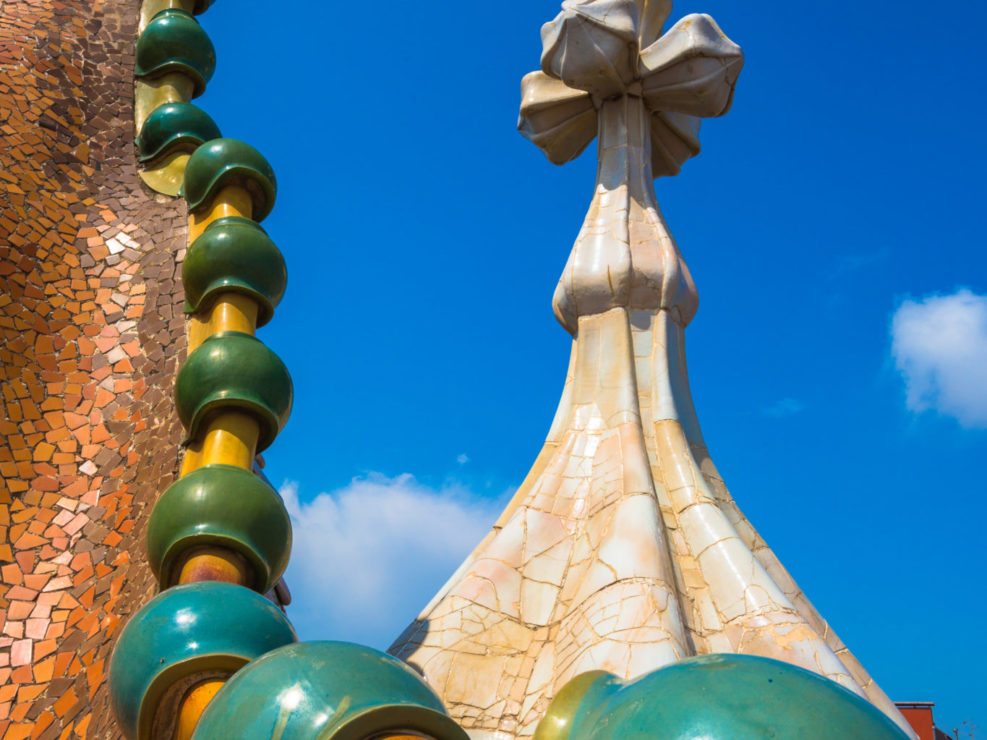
(193, 705)
(150, 8)
(231, 437)
(173, 87)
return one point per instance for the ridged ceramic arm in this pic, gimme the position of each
(624, 256)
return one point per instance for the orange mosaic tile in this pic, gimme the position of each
(91, 335)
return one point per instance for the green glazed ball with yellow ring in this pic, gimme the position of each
(225, 506)
(174, 127)
(207, 628)
(233, 371)
(714, 697)
(329, 691)
(223, 162)
(173, 41)
(234, 254)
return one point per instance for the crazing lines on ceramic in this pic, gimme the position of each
(623, 549)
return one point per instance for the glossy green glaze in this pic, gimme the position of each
(234, 371)
(586, 690)
(183, 632)
(234, 254)
(726, 697)
(224, 162)
(174, 127)
(323, 690)
(220, 505)
(175, 42)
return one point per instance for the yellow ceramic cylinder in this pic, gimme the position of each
(229, 201)
(193, 705)
(228, 312)
(173, 87)
(150, 8)
(214, 564)
(192, 460)
(231, 439)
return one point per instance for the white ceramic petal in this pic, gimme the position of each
(652, 15)
(558, 119)
(692, 69)
(592, 45)
(674, 139)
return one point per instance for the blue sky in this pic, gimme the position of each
(832, 224)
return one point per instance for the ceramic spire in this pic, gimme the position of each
(622, 549)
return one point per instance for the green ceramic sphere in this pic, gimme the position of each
(230, 371)
(584, 692)
(223, 162)
(186, 631)
(174, 41)
(323, 691)
(234, 254)
(174, 127)
(226, 506)
(726, 697)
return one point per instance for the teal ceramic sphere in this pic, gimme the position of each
(223, 162)
(174, 41)
(234, 254)
(323, 691)
(233, 371)
(174, 127)
(726, 697)
(225, 506)
(183, 632)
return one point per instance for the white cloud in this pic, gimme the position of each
(367, 558)
(463, 458)
(939, 345)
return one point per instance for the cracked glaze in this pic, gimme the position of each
(622, 549)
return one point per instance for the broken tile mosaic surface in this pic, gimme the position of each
(622, 550)
(91, 334)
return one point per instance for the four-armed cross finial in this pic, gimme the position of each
(607, 70)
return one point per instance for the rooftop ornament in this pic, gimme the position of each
(606, 72)
(622, 550)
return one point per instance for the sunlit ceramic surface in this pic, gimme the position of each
(234, 254)
(326, 691)
(233, 371)
(174, 41)
(185, 631)
(222, 162)
(716, 697)
(225, 506)
(171, 128)
(622, 549)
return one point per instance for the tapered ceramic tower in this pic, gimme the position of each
(623, 549)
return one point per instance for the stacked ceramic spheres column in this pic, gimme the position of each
(174, 62)
(219, 538)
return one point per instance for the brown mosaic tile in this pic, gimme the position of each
(91, 334)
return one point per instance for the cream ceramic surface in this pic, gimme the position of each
(622, 550)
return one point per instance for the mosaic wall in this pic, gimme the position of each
(91, 334)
